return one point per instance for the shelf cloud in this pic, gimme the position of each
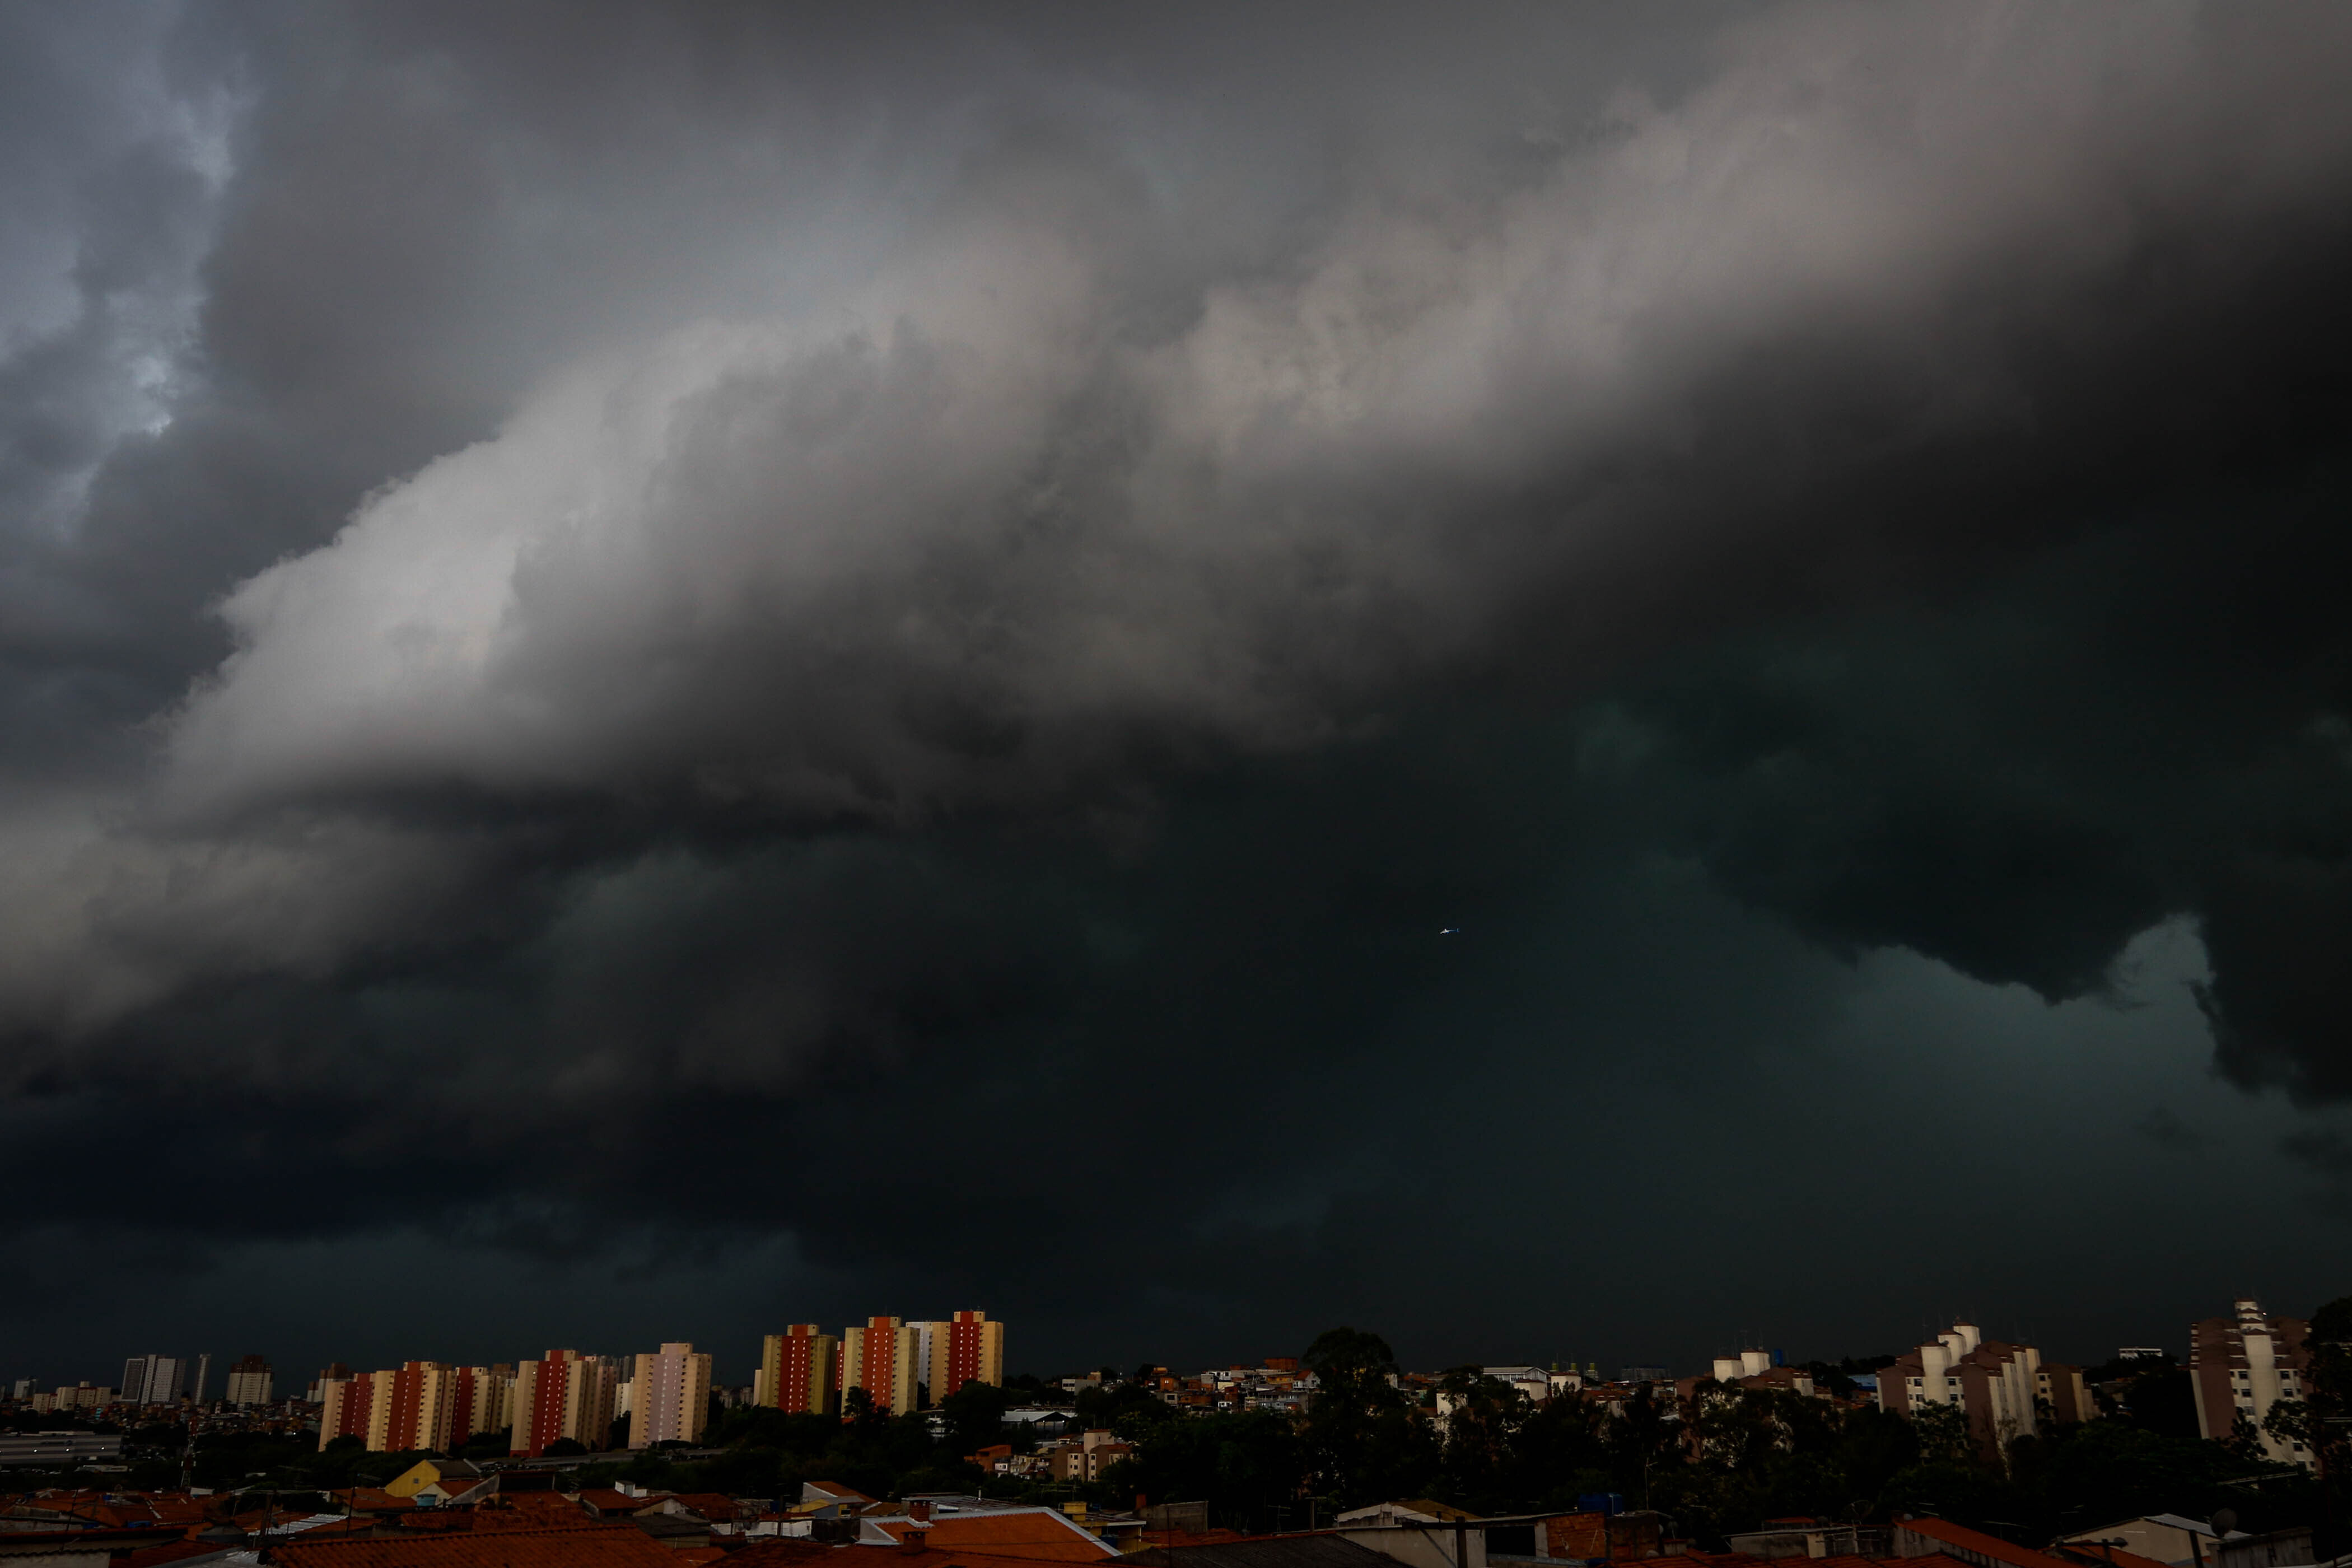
(740, 559)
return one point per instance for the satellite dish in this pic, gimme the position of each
(2225, 1519)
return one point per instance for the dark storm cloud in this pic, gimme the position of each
(2146, 724)
(727, 606)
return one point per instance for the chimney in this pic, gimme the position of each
(920, 1511)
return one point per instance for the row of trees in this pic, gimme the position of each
(1744, 1456)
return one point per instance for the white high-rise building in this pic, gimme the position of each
(669, 1396)
(249, 1382)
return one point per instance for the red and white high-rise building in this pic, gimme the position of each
(967, 1348)
(797, 1369)
(418, 1404)
(879, 1356)
(563, 1395)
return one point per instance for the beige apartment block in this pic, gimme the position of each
(669, 1396)
(798, 1371)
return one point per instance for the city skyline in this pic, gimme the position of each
(733, 1366)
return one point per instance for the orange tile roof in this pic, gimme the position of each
(709, 1505)
(696, 1556)
(608, 1499)
(915, 1554)
(170, 1552)
(1033, 1537)
(597, 1543)
(777, 1552)
(446, 1520)
(528, 1511)
(1972, 1545)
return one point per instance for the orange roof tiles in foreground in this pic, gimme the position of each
(709, 1505)
(915, 1554)
(780, 1552)
(168, 1552)
(1972, 1546)
(608, 1500)
(595, 1545)
(529, 1510)
(1035, 1536)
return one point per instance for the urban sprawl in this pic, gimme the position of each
(906, 1439)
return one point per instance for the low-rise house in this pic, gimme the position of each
(438, 1480)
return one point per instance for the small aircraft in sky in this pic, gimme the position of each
(1451, 931)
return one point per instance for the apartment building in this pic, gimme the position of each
(797, 1370)
(80, 1396)
(2002, 1388)
(2241, 1365)
(249, 1382)
(563, 1395)
(879, 1356)
(154, 1379)
(669, 1396)
(967, 1348)
(417, 1404)
(345, 1406)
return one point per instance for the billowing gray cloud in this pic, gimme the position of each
(737, 559)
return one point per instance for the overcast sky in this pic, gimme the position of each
(1570, 682)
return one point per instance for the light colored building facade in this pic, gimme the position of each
(80, 1396)
(798, 1371)
(2000, 1388)
(563, 1396)
(879, 1356)
(967, 1348)
(485, 1403)
(249, 1382)
(928, 1333)
(669, 1396)
(344, 1407)
(2241, 1365)
(418, 1404)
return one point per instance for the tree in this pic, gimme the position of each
(1125, 1408)
(1482, 1417)
(1642, 1437)
(1943, 1432)
(565, 1447)
(975, 1416)
(2327, 1414)
(1364, 1441)
(1244, 1465)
